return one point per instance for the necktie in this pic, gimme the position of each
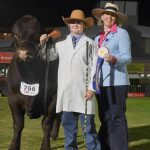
(74, 41)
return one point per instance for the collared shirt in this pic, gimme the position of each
(77, 37)
(103, 35)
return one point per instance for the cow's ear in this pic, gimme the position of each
(54, 34)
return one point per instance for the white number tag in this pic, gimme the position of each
(29, 89)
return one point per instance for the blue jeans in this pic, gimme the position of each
(70, 125)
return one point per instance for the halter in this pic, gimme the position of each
(31, 53)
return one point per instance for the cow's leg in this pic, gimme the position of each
(47, 124)
(56, 126)
(18, 124)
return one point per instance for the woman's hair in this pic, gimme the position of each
(100, 21)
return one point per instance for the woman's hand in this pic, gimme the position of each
(89, 94)
(109, 58)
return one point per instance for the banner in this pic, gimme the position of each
(6, 57)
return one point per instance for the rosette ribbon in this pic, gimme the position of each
(96, 79)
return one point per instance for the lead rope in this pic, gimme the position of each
(85, 115)
(46, 78)
(47, 51)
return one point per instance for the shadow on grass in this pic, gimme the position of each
(139, 138)
(60, 146)
(141, 147)
(57, 144)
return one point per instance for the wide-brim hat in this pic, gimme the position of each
(79, 16)
(109, 7)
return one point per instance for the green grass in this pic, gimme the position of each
(135, 68)
(138, 116)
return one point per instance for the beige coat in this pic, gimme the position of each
(72, 75)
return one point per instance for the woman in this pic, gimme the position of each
(113, 55)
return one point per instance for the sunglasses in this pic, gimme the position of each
(76, 22)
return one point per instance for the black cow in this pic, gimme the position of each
(32, 83)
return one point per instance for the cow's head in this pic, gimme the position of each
(27, 31)
(25, 50)
(27, 28)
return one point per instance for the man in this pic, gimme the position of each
(72, 89)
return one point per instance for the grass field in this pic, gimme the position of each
(138, 115)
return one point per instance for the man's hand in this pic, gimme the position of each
(89, 94)
(43, 39)
(54, 35)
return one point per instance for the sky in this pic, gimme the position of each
(48, 12)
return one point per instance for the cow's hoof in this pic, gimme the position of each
(54, 136)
